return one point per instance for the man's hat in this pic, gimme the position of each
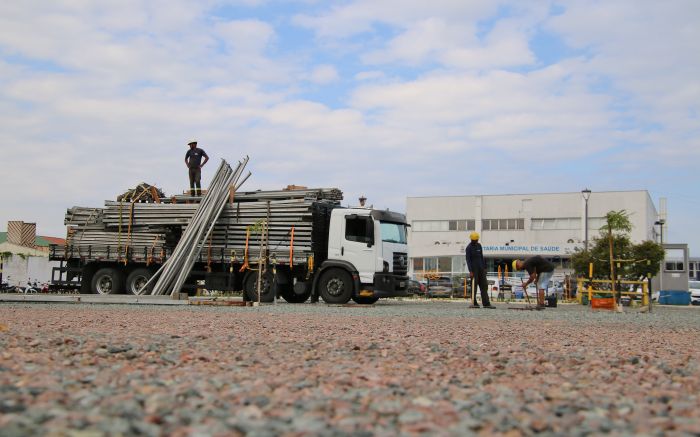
(515, 264)
(192, 142)
(474, 236)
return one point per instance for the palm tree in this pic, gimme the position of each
(615, 222)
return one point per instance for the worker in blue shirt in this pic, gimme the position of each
(194, 163)
(477, 271)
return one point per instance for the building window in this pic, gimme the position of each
(502, 224)
(674, 266)
(675, 260)
(442, 225)
(565, 223)
(445, 264)
(595, 223)
(459, 264)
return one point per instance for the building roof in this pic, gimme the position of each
(41, 241)
(529, 194)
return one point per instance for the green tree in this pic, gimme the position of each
(599, 255)
(648, 256)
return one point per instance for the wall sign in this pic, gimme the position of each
(530, 249)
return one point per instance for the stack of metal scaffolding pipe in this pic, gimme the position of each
(171, 276)
(126, 231)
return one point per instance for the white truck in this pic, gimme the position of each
(315, 248)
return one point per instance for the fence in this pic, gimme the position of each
(604, 287)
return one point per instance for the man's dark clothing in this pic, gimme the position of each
(475, 257)
(537, 264)
(477, 266)
(194, 162)
(194, 157)
(195, 181)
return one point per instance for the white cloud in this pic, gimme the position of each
(246, 35)
(100, 96)
(369, 75)
(647, 51)
(324, 74)
(360, 16)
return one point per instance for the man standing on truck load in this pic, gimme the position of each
(540, 271)
(193, 161)
(477, 271)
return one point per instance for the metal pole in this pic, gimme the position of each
(586, 224)
(663, 262)
(585, 193)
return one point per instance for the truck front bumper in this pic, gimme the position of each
(389, 285)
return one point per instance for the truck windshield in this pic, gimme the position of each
(393, 232)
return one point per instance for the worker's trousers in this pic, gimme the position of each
(480, 281)
(195, 181)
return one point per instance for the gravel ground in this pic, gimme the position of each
(431, 368)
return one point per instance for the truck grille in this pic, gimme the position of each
(400, 263)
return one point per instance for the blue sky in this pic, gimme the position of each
(386, 98)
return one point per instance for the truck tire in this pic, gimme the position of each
(250, 287)
(108, 280)
(291, 292)
(335, 286)
(136, 280)
(288, 293)
(365, 300)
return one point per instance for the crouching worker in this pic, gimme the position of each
(477, 271)
(540, 271)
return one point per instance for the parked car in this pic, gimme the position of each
(440, 287)
(694, 288)
(416, 288)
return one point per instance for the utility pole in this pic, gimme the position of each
(661, 223)
(586, 193)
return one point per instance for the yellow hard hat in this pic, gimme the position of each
(515, 264)
(474, 236)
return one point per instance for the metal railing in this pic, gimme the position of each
(604, 286)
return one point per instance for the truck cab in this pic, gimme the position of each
(369, 249)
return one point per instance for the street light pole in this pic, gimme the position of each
(586, 193)
(661, 223)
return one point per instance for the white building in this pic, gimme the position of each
(24, 256)
(516, 226)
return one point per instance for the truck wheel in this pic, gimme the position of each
(335, 286)
(292, 293)
(365, 300)
(250, 287)
(108, 281)
(290, 296)
(137, 279)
